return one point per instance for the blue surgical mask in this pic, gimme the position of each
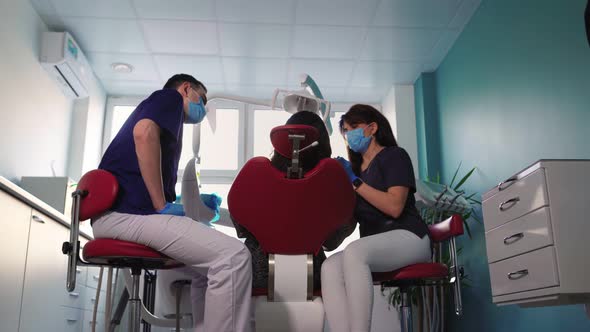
(196, 112)
(357, 141)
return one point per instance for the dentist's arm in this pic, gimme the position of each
(146, 135)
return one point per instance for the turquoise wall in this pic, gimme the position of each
(427, 126)
(514, 88)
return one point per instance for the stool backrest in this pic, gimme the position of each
(98, 189)
(446, 229)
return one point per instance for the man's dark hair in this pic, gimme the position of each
(176, 80)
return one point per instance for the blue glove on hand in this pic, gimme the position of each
(347, 167)
(212, 201)
(173, 209)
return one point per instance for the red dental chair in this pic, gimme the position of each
(428, 274)
(95, 194)
(291, 214)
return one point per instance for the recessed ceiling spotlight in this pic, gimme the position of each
(121, 67)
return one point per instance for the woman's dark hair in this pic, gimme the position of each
(312, 156)
(367, 114)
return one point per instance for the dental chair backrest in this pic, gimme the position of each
(291, 216)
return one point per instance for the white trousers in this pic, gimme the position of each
(220, 266)
(347, 285)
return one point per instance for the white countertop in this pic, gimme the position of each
(21, 194)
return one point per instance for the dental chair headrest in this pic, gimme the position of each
(279, 136)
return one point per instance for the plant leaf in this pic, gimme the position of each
(474, 216)
(475, 201)
(464, 179)
(467, 229)
(455, 175)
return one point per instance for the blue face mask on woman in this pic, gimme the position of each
(357, 141)
(196, 112)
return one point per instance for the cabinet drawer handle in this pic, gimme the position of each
(74, 294)
(95, 278)
(71, 320)
(78, 271)
(511, 201)
(518, 274)
(513, 238)
(506, 183)
(38, 219)
(92, 300)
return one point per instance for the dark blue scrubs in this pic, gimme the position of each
(391, 167)
(165, 108)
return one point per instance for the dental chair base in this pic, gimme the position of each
(291, 214)
(288, 316)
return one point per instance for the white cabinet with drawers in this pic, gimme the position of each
(537, 230)
(33, 278)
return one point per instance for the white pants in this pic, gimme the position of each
(220, 266)
(347, 285)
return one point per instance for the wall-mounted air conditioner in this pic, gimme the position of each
(63, 59)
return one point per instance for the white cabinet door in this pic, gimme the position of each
(14, 224)
(45, 276)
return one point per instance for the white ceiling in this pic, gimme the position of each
(354, 49)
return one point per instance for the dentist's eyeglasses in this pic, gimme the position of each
(196, 90)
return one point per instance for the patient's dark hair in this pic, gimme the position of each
(311, 157)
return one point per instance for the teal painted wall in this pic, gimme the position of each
(514, 88)
(427, 129)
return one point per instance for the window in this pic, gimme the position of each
(263, 122)
(219, 141)
(336, 139)
(120, 115)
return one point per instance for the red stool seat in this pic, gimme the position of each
(126, 254)
(418, 271)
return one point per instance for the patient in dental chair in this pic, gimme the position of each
(309, 159)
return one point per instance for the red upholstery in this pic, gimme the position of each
(291, 216)
(123, 253)
(101, 187)
(279, 136)
(413, 272)
(446, 229)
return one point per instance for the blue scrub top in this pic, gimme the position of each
(391, 167)
(165, 108)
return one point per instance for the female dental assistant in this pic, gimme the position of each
(392, 233)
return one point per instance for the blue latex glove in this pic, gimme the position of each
(173, 209)
(347, 167)
(212, 201)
